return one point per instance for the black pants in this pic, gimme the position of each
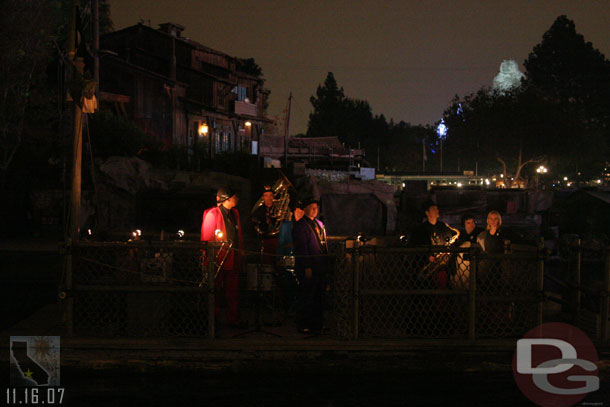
(309, 312)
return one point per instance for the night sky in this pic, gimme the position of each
(406, 58)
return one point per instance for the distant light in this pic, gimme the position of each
(181, 233)
(248, 124)
(542, 170)
(441, 130)
(501, 175)
(487, 181)
(565, 178)
(404, 184)
(136, 233)
(218, 233)
(459, 184)
(203, 129)
(89, 232)
(599, 181)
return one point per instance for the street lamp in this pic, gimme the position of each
(540, 170)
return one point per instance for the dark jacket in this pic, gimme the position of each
(307, 245)
(428, 234)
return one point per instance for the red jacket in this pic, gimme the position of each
(212, 221)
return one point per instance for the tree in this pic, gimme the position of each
(326, 120)
(575, 78)
(25, 35)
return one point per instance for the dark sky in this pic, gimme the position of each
(406, 58)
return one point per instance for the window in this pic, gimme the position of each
(242, 93)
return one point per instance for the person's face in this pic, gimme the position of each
(298, 214)
(469, 225)
(432, 213)
(493, 221)
(311, 210)
(231, 202)
(268, 199)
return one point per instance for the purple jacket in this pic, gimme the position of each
(306, 246)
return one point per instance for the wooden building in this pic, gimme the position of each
(180, 91)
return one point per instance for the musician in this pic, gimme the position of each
(494, 238)
(309, 238)
(265, 220)
(470, 232)
(222, 224)
(433, 232)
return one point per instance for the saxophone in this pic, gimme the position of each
(442, 258)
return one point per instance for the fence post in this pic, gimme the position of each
(356, 284)
(472, 295)
(211, 293)
(69, 295)
(578, 280)
(605, 300)
(540, 281)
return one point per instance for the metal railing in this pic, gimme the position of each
(392, 292)
(587, 285)
(145, 288)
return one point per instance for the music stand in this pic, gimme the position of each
(259, 301)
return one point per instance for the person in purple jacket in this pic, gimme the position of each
(311, 249)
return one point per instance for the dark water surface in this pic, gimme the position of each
(252, 389)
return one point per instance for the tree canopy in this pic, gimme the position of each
(559, 115)
(392, 147)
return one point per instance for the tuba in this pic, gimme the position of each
(280, 210)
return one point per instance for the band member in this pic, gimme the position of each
(221, 224)
(494, 238)
(471, 230)
(433, 232)
(264, 220)
(309, 239)
(468, 238)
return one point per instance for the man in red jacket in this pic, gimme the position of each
(221, 224)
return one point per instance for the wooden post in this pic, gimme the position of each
(356, 282)
(67, 295)
(605, 299)
(211, 293)
(540, 282)
(578, 279)
(472, 295)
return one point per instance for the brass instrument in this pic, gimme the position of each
(441, 258)
(218, 233)
(280, 210)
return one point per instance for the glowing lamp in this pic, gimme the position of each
(180, 233)
(248, 124)
(203, 129)
(441, 130)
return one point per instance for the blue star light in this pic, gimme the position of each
(441, 130)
